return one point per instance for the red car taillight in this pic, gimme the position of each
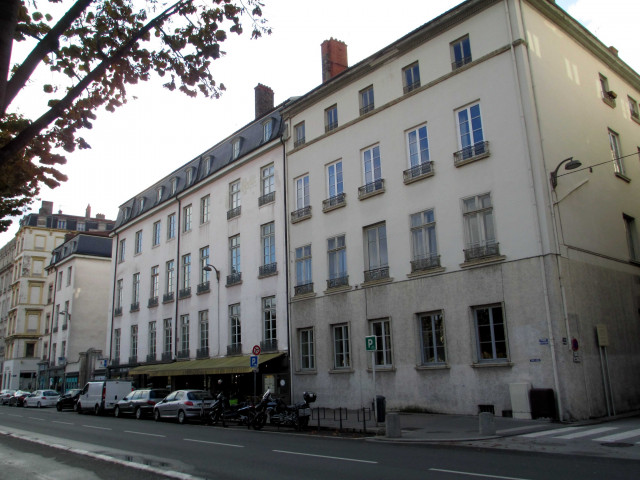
(150, 402)
(189, 403)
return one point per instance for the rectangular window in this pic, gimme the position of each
(331, 118)
(299, 138)
(138, 245)
(633, 109)
(189, 173)
(116, 345)
(134, 342)
(69, 270)
(186, 218)
(608, 95)
(122, 249)
(170, 267)
(478, 225)
(268, 239)
(337, 257)
(470, 132)
(303, 265)
(376, 247)
(460, 52)
(235, 149)
(135, 294)
(119, 287)
(234, 254)
(307, 350)
(203, 322)
(267, 130)
(410, 77)
(302, 192)
(171, 226)
(174, 186)
(424, 249)
(60, 276)
(234, 323)
(381, 329)
(366, 100)
(168, 337)
(156, 233)
(371, 166)
(65, 315)
(269, 322)
(632, 237)
(491, 334)
(186, 271)
(418, 146)
(152, 339)
(234, 195)
(341, 348)
(268, 180)
(334, 179)
(616, 153)
(155, 281)
(204, 209)
(184, 335)
(204, 261)
(432, 338)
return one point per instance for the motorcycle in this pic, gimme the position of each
(222, 411)
(297, 415)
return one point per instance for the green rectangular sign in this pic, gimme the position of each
(370, 343)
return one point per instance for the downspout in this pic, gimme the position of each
(177, 286)
(554, 364)
(286, 259)
(113, 296)
(53, 312)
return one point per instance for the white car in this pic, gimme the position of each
(5, 395)
(42, 398)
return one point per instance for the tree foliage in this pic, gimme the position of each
(93, 51)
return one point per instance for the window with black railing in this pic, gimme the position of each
(303, 289)
(166, 356)
(411, 87)
(133, 360)
(135, 307)
(117, 312)
(425, 263)
(342, 281)
(234, 349)
(267, 198)
(184, 292)
(336, 201)
(301, 214)
(376, 274)
(202, 352)
(203, 287)
(269, 269)
(167, 297)
(234, 278)
(153, 302)
(151, 358)
(416, 172)
(269, 345)
(183, 354)
(377, 186)
(472, 152)
(234, 212)
(477, 252)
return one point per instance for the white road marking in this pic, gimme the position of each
(475, 474)
(551, 432)
(148, 434)
(12, 415)
(36, 418)
(213, 443)
(63, 423)
(619, 436)
(99, 428)
(586, 433)
(325, 456)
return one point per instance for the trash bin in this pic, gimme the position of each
(381, 407)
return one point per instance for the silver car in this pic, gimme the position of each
(183, 405)
(5, 395)
(42, 398)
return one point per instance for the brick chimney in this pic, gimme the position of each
(88, 212)
(334, 58)
(264, 100)
(46, 208)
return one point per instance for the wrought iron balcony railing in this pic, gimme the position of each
(330, 126)
(151, 358)
(338, 281)
(203, 287)
(419, 171)
(460, 63)
(301, 214)
(202, 352)
(266, 198)
(477, 252)
(425, 263)
(234, 212)
(475, 151)
(376, 274)
(299, 141)
(133, 360)
(269, 269)
(167, 356)
(167, 297)
(117, 312)
(377, 186)
(269, 345)
(234, 278)
(183, 353)
(184, 292)
(366, 109)
(153, 302)
(336, 201)
(234, 349)
(411, 86)
(303, 289)
(135, 307)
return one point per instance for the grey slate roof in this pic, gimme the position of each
(93, 245)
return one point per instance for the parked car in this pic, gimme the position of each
(42, 398)
(101, 397)
(183, 405)
(17, 400)
(5, 395)
(69, 400)
(140, 403)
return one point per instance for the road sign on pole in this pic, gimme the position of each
(256, 350)
(254, 361)
(370, 343)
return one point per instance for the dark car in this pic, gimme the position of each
(18, 398)
(140, 403)
(69, 400)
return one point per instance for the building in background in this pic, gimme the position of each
(78, 285)
(199, 273)
(38, 235)
(7, 254)
(429, 208)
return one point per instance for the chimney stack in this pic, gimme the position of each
(264, 100)
(88, 212)
(334, 58)
(46, 208)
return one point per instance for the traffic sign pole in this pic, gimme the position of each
(370, 345)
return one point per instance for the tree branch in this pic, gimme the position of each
(8, 22)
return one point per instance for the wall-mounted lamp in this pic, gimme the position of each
(208, 267)
(570, 165)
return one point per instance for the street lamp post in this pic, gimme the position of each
(207, 268)
(571, 164)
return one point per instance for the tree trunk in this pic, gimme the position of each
(8, 21)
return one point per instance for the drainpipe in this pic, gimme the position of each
(554, 364)
(178, 230)
(286, 264)
(53, 312)
(113, 298)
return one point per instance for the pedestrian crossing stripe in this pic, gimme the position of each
(570, 433)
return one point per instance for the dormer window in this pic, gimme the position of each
(126, 212)
(174, 185)
(235, 149)
(189, 175)
(159, 196)
(142, 203)
(207, 164)
(267, 130)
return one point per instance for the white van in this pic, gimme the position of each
(101, 397)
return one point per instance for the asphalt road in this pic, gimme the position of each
(237, 453)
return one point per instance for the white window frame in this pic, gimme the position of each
(366, 99)
(376, 249)
(186, 271)
(331, 118)
(133, 347)
(169, 276)
(459, 57)
(167, 336)
(307, 349)
(371, 165)
(411, 77)
(234, 195)
(381, 329)
(235, 265)
(300, 134)
(432, 335)
(616, 152)
(335, 179)
(235, 148)
(203, 329)
(633, 242)
(479, 226)
(204, 260)
(470, 129)
(303, 259)
(135, 292)
(423, 235)
(268, 241)
(205, 204)
(122, 247)
(267, 174)
(152, 339)
(302, 191)
(496, 328)
(187, 214)
(138, 244)
(171, 226)
(157, 231)
(337, 256)
(269, 326)
(267, 130)
(155, 281)
(418, 146)
(184, 332)
(235, 325)
(341, 346)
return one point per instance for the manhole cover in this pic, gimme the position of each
(616, 444)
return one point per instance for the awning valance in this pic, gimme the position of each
(207, 366)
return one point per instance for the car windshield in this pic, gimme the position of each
(50, 393)
(73, 391)
(199, 396)
(158, 393)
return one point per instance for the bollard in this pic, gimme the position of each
(487, 424)
(393, 425)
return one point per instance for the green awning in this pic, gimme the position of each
(207, 366)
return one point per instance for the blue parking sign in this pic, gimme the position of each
(254, 361)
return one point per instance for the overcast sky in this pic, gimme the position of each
(159, 131)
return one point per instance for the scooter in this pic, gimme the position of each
(297, 415)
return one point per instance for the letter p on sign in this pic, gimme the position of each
(370, 343)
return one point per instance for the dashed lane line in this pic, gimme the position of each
(325, 456)
(213, 443)
(472, 474)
